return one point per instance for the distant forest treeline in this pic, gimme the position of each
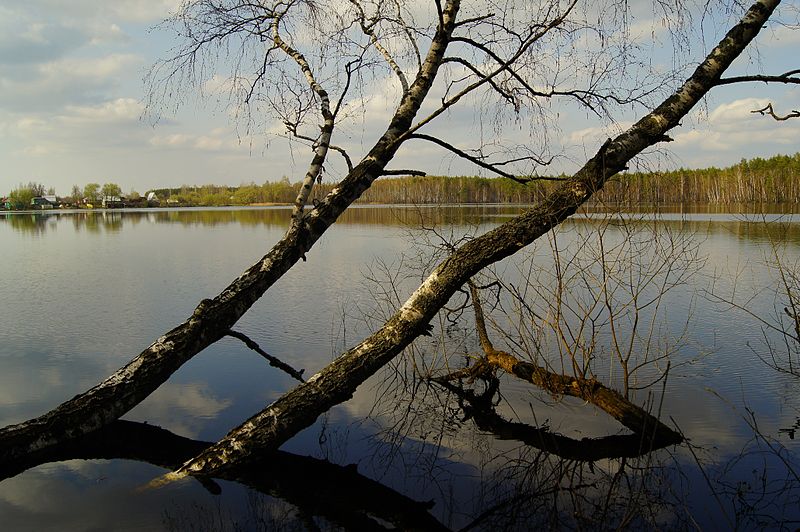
(773, 180)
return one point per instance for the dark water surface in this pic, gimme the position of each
(83, 292)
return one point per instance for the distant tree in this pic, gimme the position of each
(133, 194)
(91, 192)
(111, 190)
(21, 196)
(77, 194)
(37, 189)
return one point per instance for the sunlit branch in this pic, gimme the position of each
(292, 128)
(324, 141)
(769, 111)
(620, 408)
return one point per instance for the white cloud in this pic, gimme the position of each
(122, 10)
(735, 114)
(93, 68)
(218, 139)
(119, 110)
(731, 132)
(107, 34)
(700, 139)
(596, 135)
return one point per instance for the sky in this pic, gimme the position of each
(72, 109)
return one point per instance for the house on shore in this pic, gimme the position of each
(44, 202)
(113, 202)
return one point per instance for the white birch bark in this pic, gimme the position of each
(213, 318)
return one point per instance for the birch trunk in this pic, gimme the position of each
(212, 318)
(337, 382)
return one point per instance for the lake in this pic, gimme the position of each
(683, 312)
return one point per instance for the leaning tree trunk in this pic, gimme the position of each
(338, 381)
(213, 318)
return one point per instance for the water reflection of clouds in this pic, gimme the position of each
(90, 495)
(181, 408)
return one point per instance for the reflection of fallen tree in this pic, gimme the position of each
(648, 432)
(480, 408)
(337, 493)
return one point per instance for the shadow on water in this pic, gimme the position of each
(335, 493)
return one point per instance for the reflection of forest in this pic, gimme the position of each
(744, 226)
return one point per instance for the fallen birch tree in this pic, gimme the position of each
(504, 73)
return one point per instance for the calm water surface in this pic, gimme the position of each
(84, 292)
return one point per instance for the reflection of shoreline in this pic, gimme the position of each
(746, 227)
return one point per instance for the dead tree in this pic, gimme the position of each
(471, 54)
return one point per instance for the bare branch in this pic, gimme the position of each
(369, 29)
(769, 111)
(291, 127)
(787, 77)
(483, 164)
(533, 38)
(404, 172)
(324, 141)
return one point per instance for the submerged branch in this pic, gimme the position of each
(273, 361)
(610, 401)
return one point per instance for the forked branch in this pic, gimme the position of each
(768, 111)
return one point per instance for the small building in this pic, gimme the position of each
(42, 202)
(113, 202)
(5, 204)
(153, 199)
